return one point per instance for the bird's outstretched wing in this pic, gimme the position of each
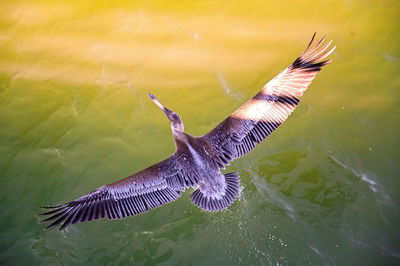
(152, 187)
(255, 120)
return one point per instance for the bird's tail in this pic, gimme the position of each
(213, 204)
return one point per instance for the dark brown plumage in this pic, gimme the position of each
(197, 160)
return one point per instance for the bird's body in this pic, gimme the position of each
(197, 161)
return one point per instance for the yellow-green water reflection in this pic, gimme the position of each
(74, 114)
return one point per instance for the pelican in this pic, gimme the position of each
(197, 161)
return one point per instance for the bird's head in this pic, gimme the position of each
(174, 119)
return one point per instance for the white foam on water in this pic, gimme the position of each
(372, 182)
(227, 89)
(134, 92)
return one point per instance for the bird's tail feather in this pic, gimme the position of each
(212, 204)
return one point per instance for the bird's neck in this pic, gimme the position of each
(181, 139)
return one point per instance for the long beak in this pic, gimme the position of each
(159, 104)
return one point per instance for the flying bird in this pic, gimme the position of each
(197, 161)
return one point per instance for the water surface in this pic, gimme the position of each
(74, 115)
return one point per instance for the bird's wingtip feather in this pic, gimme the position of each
(51, 207)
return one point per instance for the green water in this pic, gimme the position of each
(74, 115)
